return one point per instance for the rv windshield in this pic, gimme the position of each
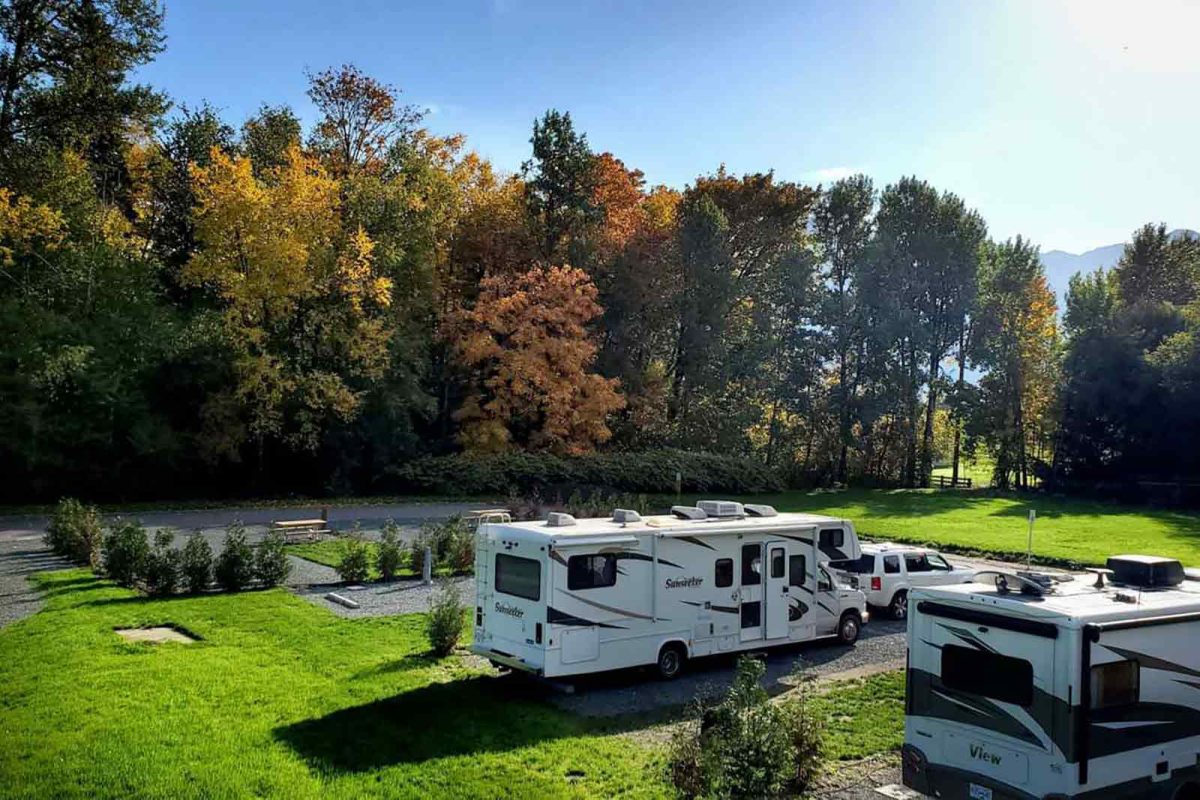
(520, 577)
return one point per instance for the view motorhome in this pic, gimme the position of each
(1022, 687)
(567, 597)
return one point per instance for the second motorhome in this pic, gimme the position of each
(563, 597)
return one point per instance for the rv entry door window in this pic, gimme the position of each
(751, 564)
(520, 577)
(591, 571)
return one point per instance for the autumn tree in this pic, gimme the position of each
(1018, 340)
(360, 119)
(304, 306)
(527, 346)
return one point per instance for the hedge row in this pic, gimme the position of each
(650, 471)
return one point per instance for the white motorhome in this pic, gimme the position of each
(1021, 686)
(564, 597)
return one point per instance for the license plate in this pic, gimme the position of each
(978, 792)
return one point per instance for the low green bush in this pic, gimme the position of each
(355, 563)
(124, 553)
(745, 745)
(444, 623)
(234, 569)
(196, 563)
(651, 471)
(75, 532)
(163, 565)
(389, 553)
(271, 565)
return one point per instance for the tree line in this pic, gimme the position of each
(195, 306)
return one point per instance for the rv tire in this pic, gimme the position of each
(1189, 791)
(670, 660)
(899, 605)
(848, 628)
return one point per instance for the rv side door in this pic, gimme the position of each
(776, 593)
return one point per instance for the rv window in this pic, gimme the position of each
(724, 570)
(777, 562)
(1009, 680)
(751, 564)
(833, 537)
(916, 562)
(798, 570)
(891, 565)
(591, 571)
(1116, 683)
(520, 577)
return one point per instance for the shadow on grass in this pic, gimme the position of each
(413, 661)
(475, 715)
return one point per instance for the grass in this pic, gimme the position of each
(1067, 529)
(283, 699)
(978, 469)
(862, 717)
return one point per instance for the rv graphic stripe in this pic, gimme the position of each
(556, 617)
(694, 540)
(625, 555)
(1152, 662)
(602, 607)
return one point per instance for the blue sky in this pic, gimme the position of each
(1070, 123)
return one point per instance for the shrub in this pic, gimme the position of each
(651, 471)
(388, 555)
(197, 563)
(461, 558)
(271, 565)
(445, 621)
(355, 563)
(746, 745)
(75, 532)
(416, 552)
(235, 565)
(163, 565)
(124, 553)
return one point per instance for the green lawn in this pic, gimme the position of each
(283, 699)
(979, 470)
(864, 716)
(1067, 529)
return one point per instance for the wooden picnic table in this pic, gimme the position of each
(300, 529)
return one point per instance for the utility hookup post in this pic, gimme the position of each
(427, 567)
(1029, 547)
(678, 485)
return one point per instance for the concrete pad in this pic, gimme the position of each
(156, 635)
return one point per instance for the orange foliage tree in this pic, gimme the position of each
(527, 343)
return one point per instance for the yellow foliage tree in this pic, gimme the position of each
(303, 305)
(527, 343)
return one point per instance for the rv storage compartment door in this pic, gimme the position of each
(580, 644)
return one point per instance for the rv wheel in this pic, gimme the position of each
(1189, 791)
(848, 628)
(670, 661)
(899, 606)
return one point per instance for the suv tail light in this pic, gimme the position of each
(876, 584)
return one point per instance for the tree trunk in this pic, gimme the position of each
(930, 411)
(962, 371)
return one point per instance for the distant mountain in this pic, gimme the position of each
(1060, 265)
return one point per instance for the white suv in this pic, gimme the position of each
(886, 572)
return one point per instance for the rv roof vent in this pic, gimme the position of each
(1146, 572)
(557, 519)
(760, 510)
(688, 512)
(721, 508)
(625, 516)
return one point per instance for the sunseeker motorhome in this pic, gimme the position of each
(566, 597)
(1023, 687)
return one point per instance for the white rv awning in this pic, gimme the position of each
(592, 541)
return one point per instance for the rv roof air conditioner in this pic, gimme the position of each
(557, 519)
(624, 516)
(721, 508)
(688, 512)
(760, 510)
(1145, 572)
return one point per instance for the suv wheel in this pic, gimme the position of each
(848, 628)
(899, 605)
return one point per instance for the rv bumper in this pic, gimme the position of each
(508, 660)
(949, 783)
